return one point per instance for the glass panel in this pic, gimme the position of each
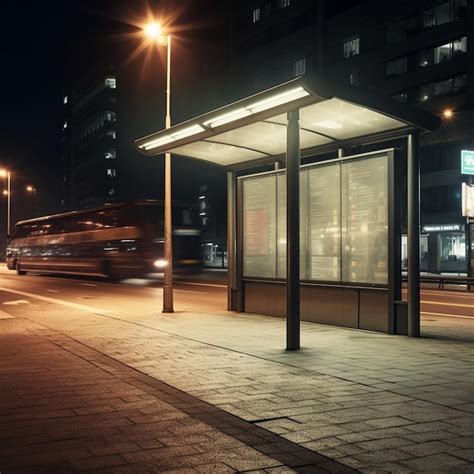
(343, 120)
(453, 252)
(427, 18)
(460, 46)
(443, 87)
(281, 224)
(426, 57)
(259, 226)
(443, 53)
(442, 13)
(396, 31)
(402, 96)
(460, 8)
(351, 48)
(365, 221)
(217, 153)
(425, 92)
(396, 67)
(324, 215)
(460, 84)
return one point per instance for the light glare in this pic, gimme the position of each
(153, 30)
(447, 113)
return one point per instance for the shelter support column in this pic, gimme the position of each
(293, 231)
(231, 240)
(413, 238)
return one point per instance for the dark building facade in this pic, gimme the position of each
(90, 136)
(418, 52)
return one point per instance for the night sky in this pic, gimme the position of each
(36, 40)
(31, 45)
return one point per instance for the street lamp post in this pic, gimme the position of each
(153, 31)
(7, 174)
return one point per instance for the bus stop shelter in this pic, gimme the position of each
(322, 241)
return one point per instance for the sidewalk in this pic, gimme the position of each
(374, 402)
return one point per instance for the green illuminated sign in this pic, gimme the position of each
(467, 162)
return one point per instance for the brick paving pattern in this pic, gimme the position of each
(65, 407)
(373, 402)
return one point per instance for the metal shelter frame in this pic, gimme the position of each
(301, 118)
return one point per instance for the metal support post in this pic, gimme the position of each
(413, 238)
(469, 245)
(168, 250)
(293, 231)
(231, 239)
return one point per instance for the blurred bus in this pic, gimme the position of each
(116, 241)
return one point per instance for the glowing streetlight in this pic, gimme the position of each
(6, 174)
(154, 32)
(31, 189)
(447, 113)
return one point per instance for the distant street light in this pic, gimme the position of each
(447, 113)
(31, 189)
(154, 32)
(6, 174)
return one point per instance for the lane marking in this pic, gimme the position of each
(89, 309)
(447, 314)
(5, 315)
(189, 291)
(446, 293)
(448, 304)
(52, 291)
(200, 284)
(16, 302)
(89, 284)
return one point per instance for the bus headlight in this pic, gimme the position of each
(160, 263)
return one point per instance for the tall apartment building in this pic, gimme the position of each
(417, 51)
(90, 135)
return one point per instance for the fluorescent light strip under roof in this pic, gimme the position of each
(177, 135)
(260, 106)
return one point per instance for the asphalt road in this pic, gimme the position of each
(206, 293)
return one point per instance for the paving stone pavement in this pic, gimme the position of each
(374, 402)
(65, 407)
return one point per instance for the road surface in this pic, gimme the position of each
(208, 294)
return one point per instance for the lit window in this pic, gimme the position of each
(110, 82)
(299, 67)
(111, 172)
(426, 57)
(111, 191)
(425, 92)
(460, 46)
(64, 125)
(112, 134)
(402, 97)
(110, 116)
(283, 3)
(111, 154)
(65, 100)
(443, 53)
(351, 48)
(256, 15)
(354, 78)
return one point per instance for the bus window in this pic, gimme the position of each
(151, 215)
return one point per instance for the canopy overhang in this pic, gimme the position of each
(253, 129)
